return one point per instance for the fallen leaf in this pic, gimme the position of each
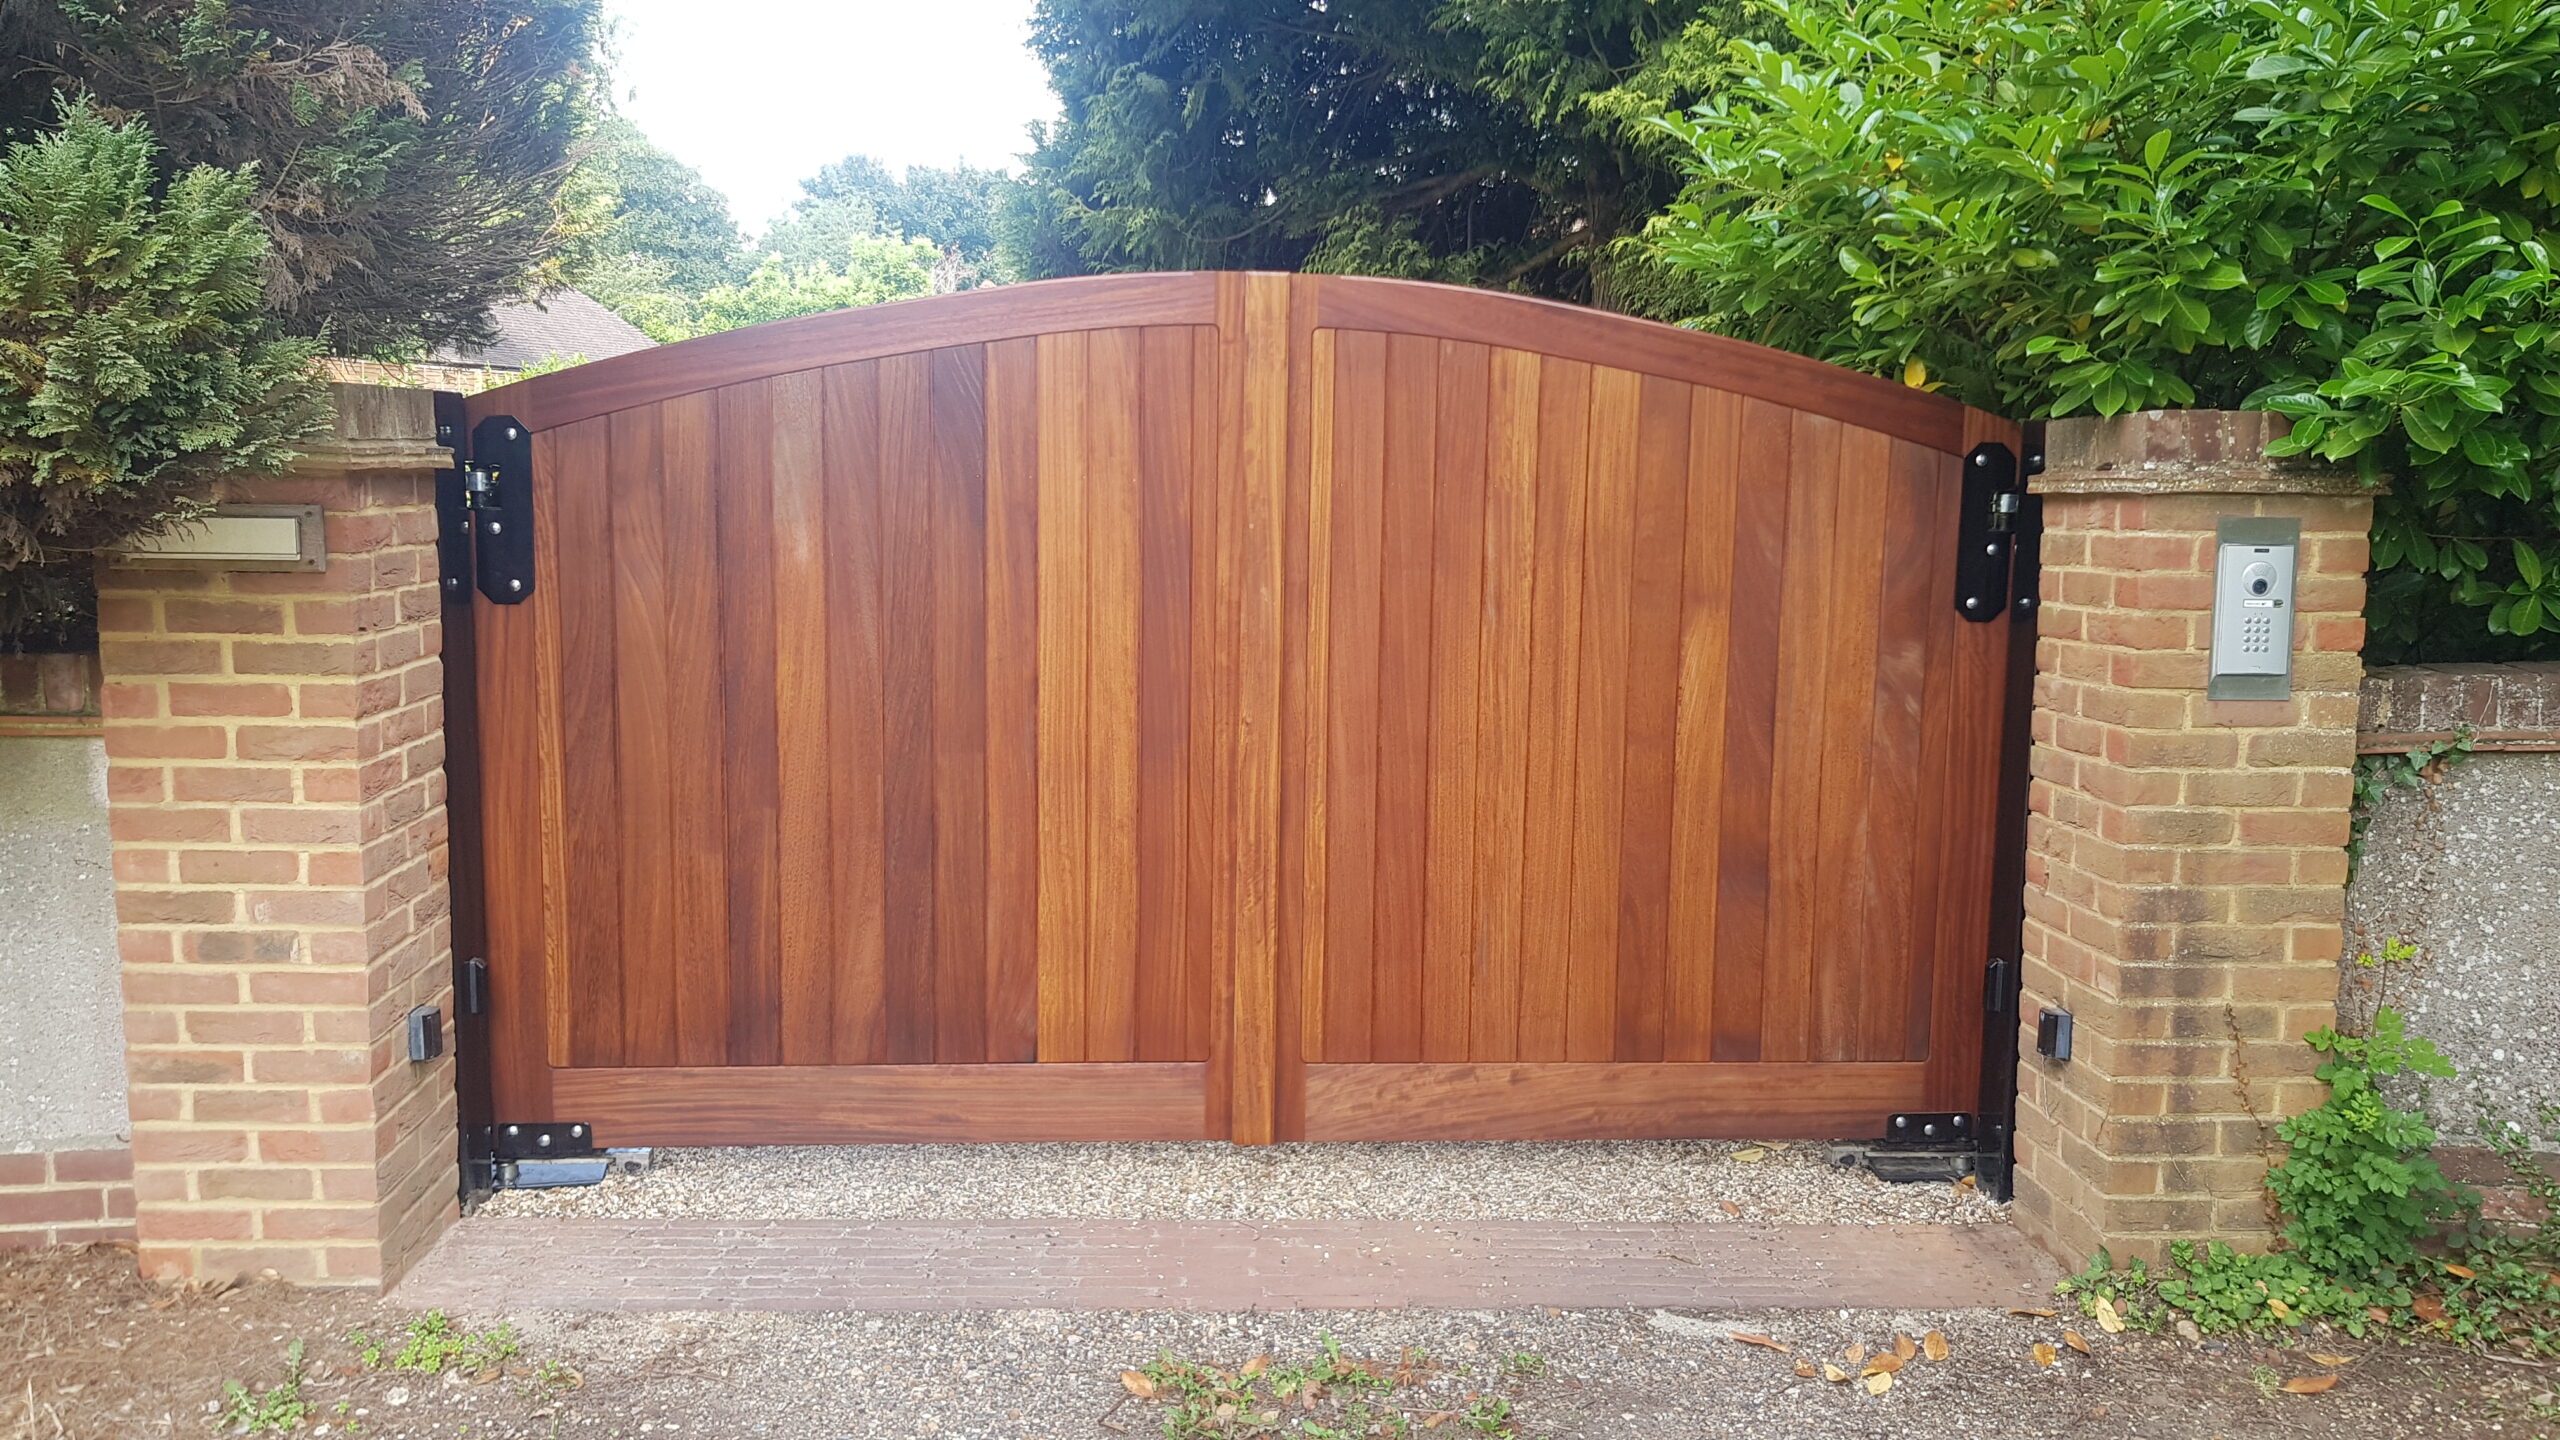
(1883, 1365)
(2377, 1314)
(2039, 1314)
(1728, 1207)
(1805, 1369)
(1904, 1346)
(2281, 1310)
(2045, 1354)
(2309, 1384)
(1750, 1155)
(2465, 1271)
(1115, 1427)
(1438, 1418)
(2429, 1309)
(1834, 1373)
(1136, 1383)
(1763, 1341)
(2076, 1341)
(2330, 1359)
(1934, 1345)
(1879, 1382)
(1255, 1366)
(1966, 1183)
(1855, 1353)
(2108, 1319)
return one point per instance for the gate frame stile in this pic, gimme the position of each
(1270, 339)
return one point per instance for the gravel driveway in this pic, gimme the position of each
(1658, 1180)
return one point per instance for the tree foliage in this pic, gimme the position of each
(2337, 209)
(136, 364)
(874, 268)
(1462, 140)
(954, 207)
(408, 155)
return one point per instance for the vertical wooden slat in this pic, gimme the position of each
(1064, 903)
(1261, 492)
(558, 931)
(1839, 950)
(1357, 488)
(1457, 602)
(1905, 615)
(1166, 996)
(1013, 702)
(583, 582)
(1310, 615)
(1555, 682)
(750, 762)
(1404, 696)
(512, 841)
(1760, 546)
(1113, 596)
(957, 475)
(646, 749)
(856, 742)
(1212, 704)
(696, 663)
(906, 701)
(1811, 580)
(1600, 725)
(1716, 478)
(1502, 704)
(803, 808)
(1655, 602)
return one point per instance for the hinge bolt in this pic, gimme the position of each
(514, 585)
(1973, 602)
(495, 527)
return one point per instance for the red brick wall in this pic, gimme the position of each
(276, 787)
(65, 1198)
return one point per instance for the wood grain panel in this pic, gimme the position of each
(750, 759)
(857, 740)
(1502, 703)
(1555, 658)
(1655, 609)
(1266, 359)
(1065, 902)
(1013, 701)
(1844, 954)
(1602, 1101)
(1405, 581)
(1351, 618)
(957, 476)
(1905, 610)
(886, 1104)
(803, 812)
(1166, 997)
(591, 836)
(1600, 721)
(907, 624)
(1751, 722)
(1445, 998)
(644, 981)
(696, 663)
(1697, 784)
(1809, 578)
(1113, 595)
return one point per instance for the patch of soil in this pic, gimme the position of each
(90, 1350)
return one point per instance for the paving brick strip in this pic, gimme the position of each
(657, 1265)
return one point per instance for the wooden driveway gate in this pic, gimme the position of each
(1249, 706)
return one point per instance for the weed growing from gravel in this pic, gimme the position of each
(432, 1344)
(277, 1410)
(1331, 1396)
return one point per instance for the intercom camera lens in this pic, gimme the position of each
(2260, 586)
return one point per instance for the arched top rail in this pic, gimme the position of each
(1340, 302)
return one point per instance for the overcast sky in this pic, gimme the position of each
(757, 94)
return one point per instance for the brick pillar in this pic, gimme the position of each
(2186, 863)
(276, 789)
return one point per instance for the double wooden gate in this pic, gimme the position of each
(1249, 706)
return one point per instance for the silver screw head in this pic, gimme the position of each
(514, 585)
